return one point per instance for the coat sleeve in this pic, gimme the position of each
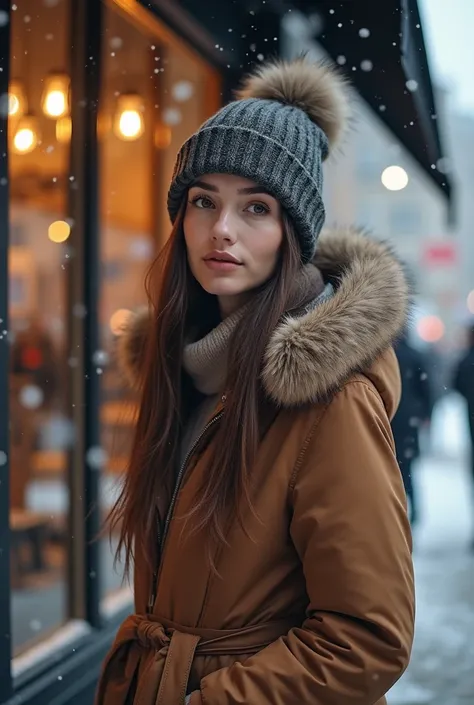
(350, 529)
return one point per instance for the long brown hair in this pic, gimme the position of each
(177, 303)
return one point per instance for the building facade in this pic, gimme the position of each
(96, 97)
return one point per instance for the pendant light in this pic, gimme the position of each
(27, 134)
(129, 123)
(55, 98)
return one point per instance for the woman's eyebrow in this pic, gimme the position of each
(203, 184)
(254, 189)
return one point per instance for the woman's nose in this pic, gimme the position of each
(224, 228)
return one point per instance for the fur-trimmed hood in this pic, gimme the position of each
(310, 356)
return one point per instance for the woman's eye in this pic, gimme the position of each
(258, 209)
(202, 202)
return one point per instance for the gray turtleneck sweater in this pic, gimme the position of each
(205, 361)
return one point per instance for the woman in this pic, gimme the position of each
(263, 510)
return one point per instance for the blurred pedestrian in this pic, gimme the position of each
(464, 384)
(263, 508)
(414, 411)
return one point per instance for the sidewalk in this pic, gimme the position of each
(442, 667)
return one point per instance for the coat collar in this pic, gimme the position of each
(311, 355)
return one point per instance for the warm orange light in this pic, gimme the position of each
(59, 231)
(26, 136)
(129, 124)
(430, 329)
(118, 320)
(55, 99)
(64, 129)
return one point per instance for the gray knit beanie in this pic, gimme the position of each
(278, 132)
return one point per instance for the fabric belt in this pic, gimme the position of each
(164, 678)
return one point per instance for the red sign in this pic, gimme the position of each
(441, 254)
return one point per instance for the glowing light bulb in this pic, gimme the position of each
(55, 103)
(129, 123)
(26, 136)
(55, 100)
(59, 231)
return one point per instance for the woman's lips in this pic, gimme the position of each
(221, 265)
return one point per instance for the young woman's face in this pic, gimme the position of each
(233, 232)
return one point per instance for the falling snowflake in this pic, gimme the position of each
(364, 33)
(341, 60)
(141, 248)
(366, 65)
(96, 457)
(182, 91)
(116, 43)
(3, 18)
(412, 85)
(443, 165)
(35, 625)
(100, 358)
(3, 458)
(172, 116)
(31, 396)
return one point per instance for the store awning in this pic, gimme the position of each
(381, 47)
(391, 70)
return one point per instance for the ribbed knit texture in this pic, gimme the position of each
(205, 360)
(273, 144)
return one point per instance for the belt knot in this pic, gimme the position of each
(152, 635)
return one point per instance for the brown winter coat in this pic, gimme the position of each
(316, 607)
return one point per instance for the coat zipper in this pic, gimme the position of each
(162, 536)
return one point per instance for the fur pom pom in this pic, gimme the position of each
(316, 88)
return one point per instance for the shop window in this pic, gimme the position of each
(41, 431)
(155, 93)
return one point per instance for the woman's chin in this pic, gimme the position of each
(222, 287)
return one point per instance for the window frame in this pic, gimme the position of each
(5, 616)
